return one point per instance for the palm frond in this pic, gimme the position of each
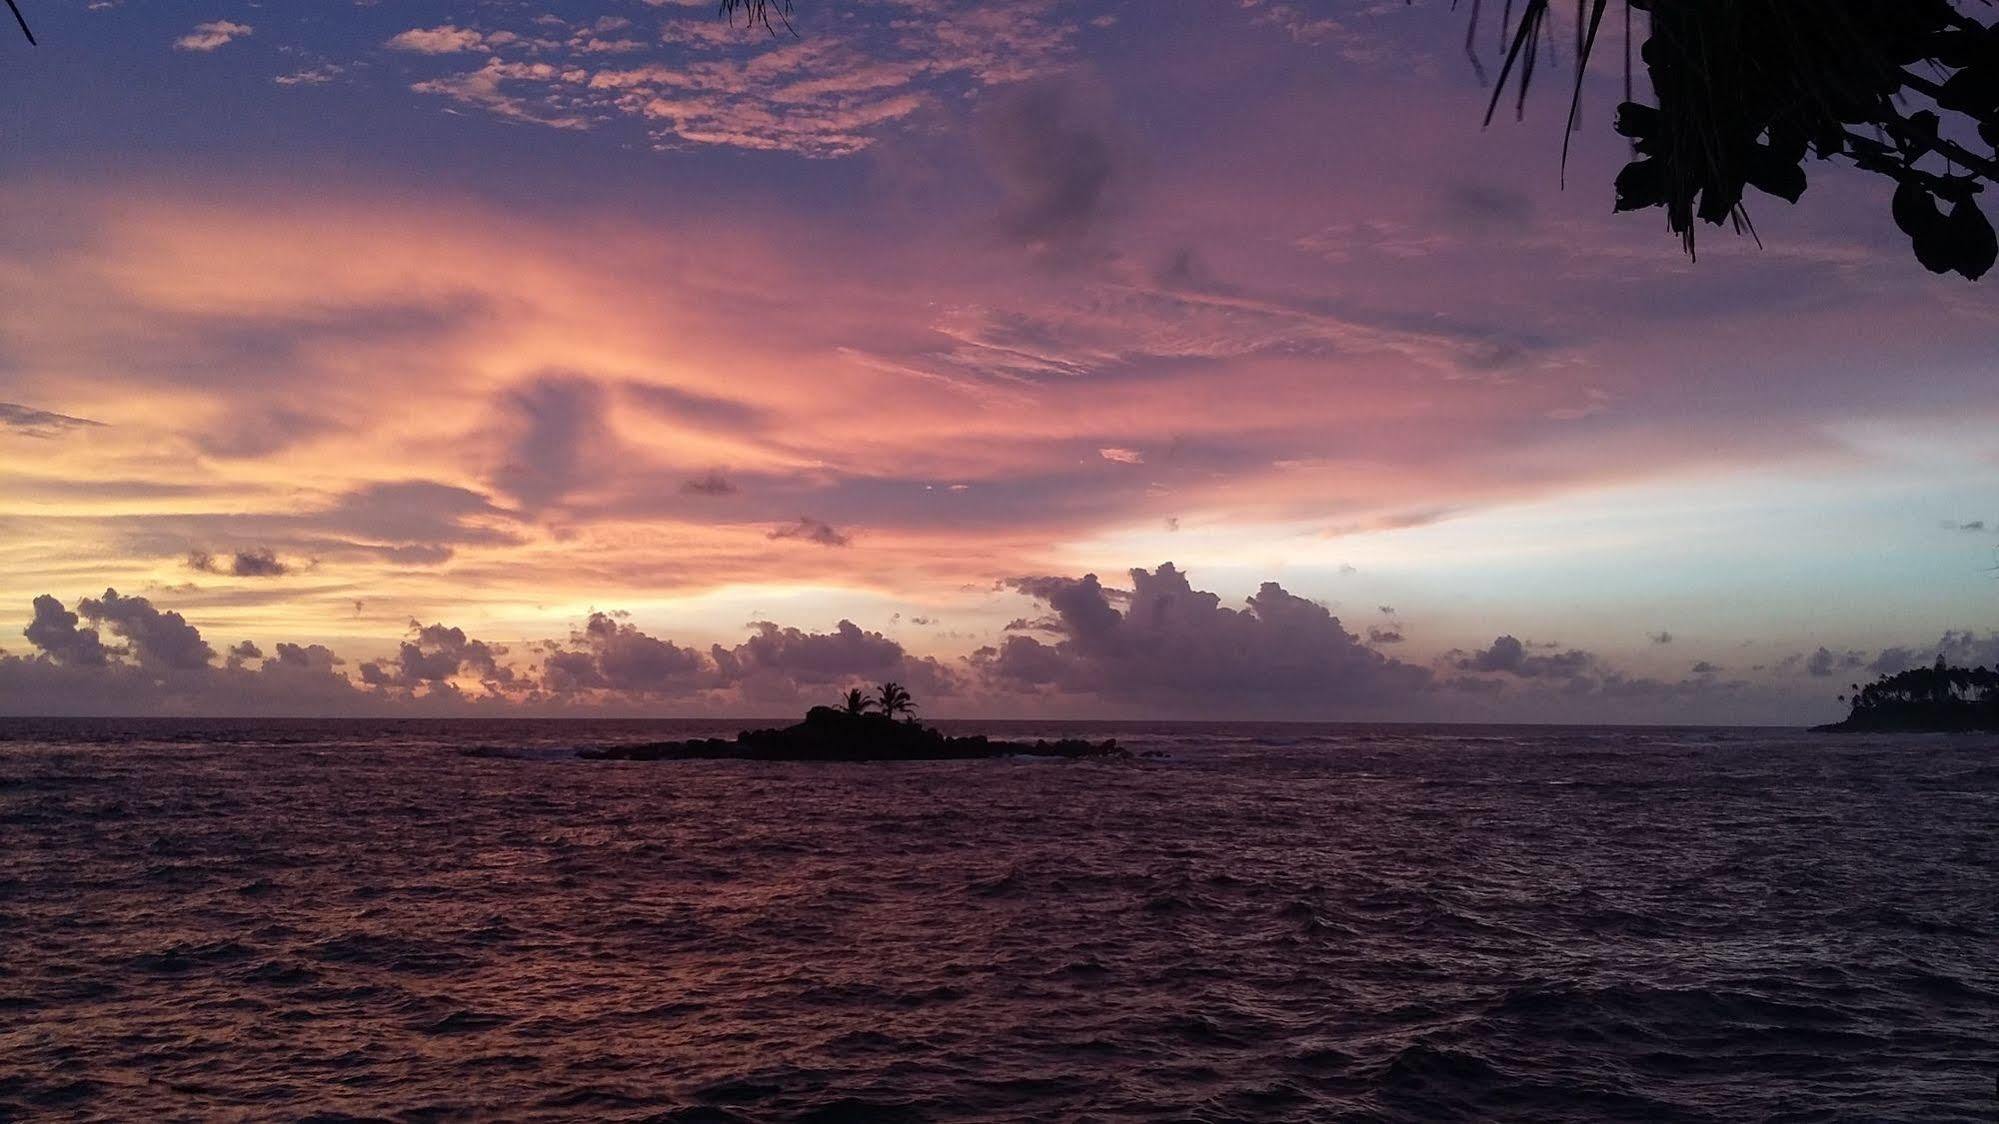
(758, 13)
(22, 20)
(1744, 90)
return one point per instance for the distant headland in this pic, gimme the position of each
(863, 728)
(1941, 699)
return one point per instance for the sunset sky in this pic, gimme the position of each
(322, 323)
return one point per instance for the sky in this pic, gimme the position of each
(1185, 358)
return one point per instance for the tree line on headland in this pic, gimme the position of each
(1938, 697)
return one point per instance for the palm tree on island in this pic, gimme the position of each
(860, 728)
(893, 700)
(1935, 698)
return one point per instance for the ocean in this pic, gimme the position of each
(460, 921)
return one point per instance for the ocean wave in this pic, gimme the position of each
(1290, 923)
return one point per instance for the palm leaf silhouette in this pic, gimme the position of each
(893, 700)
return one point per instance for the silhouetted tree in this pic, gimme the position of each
(893, 700)
(757, 12)
(1744, 90)
(1938, 697)
(855, 702)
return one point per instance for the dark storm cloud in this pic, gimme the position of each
(812, 530)
(1508, 656)
(154, 637)
(258, 562)
(1481, 208)
(555, 428)
(1176, 645)
(30, 422)
(1082, 605)
(54, 632)
(1060, 158)
(713, 484)
(1379, 635)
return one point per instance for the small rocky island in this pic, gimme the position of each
(1938, 699)
(863, 728)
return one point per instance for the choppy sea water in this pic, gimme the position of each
(359, 920)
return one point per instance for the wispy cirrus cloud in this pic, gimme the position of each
(696, 81)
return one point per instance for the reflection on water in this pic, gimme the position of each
(1270, 923)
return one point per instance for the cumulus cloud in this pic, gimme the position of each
(1959, 648)
(209, 36)
(257, 562)
(434, 657)
(445, 39)
(155, 637)
(809, 529)
(842, 654)
(164, 666)
(1160, 645)
(30, 422)
(1507, 655)
(609, 654)
(779, 663)
(55, 632)
(1177, 646)
(1825, 662)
